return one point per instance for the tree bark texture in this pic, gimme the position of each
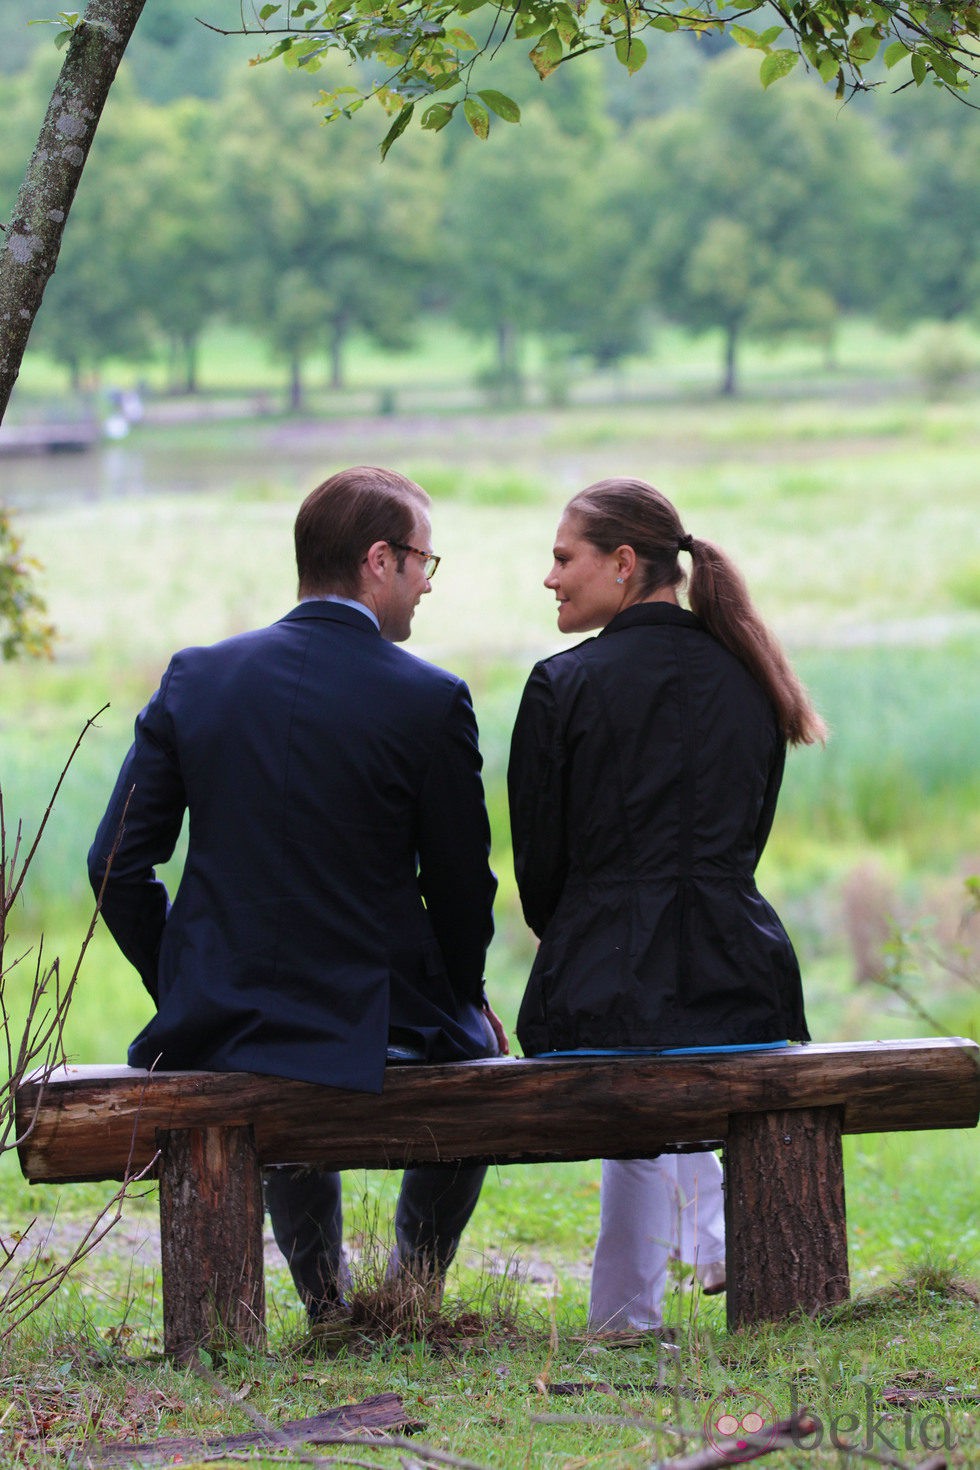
(32, 239)
(785, 1225)
(211, 1240)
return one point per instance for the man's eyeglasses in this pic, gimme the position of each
(429, 560)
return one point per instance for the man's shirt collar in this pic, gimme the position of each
(347, 602)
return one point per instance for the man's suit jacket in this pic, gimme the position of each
(336, 883)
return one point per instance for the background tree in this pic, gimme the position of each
(180, 253)
(748, 221)
(431, 61)
(96, 306)
(936, 271)
(514, 212)
(323, 241)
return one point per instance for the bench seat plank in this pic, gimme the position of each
(89, 1123)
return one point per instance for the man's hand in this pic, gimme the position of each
(497, 1027)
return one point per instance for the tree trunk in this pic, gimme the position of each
(211, 1240)
(337, 357)
(295, 383)
(731, 344)
(506, 350)
(33, 237)
(786, 1235)
(190, 363)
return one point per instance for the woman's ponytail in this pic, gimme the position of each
(719, 596)
(615, 513)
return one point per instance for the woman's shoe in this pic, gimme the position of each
(711, 1277)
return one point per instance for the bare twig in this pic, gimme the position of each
(11, 897)
(37, 1051)
(418, 1451)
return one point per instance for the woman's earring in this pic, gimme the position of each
(620, 581)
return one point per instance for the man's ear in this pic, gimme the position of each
(378, 557)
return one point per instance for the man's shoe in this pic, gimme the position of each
(330, 1309)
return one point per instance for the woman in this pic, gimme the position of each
(644, 771)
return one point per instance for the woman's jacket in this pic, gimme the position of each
(644, 771)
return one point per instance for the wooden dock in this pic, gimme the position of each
(74, 438)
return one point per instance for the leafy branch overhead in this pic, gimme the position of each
(430, 50)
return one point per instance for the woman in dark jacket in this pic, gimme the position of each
(644, 772)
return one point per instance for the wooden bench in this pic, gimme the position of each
(779, 1115)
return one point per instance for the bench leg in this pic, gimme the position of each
(784, 1215)
(211, 1240)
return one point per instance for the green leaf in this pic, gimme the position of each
(397, 128)
(776, 65)
(773, 33)
(919, 68)
(461, 39)
(502, 105)
(329, 99)
(864, 43)
(895, 53)
(631, 52)
(435, 118)
(828, 68)
(67, 18)
(477, 117)
(664, 23)
(547, 54)
(945, 69)
(703, 22)
(743, 36)
(529, 23)
(569, 31)
(281, 48)
(939, 21)
(268, 10)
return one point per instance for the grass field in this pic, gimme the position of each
(853, 515)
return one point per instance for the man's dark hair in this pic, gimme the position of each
(343, 517)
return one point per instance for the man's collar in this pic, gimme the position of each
(346, 602)
(321, 610)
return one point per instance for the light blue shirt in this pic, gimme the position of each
(347, 602)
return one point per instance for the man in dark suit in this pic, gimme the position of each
(335, 904)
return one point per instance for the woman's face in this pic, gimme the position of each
(584, 580)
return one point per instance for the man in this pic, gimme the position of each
(335, 904)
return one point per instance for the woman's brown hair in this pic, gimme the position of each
(622, 512)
